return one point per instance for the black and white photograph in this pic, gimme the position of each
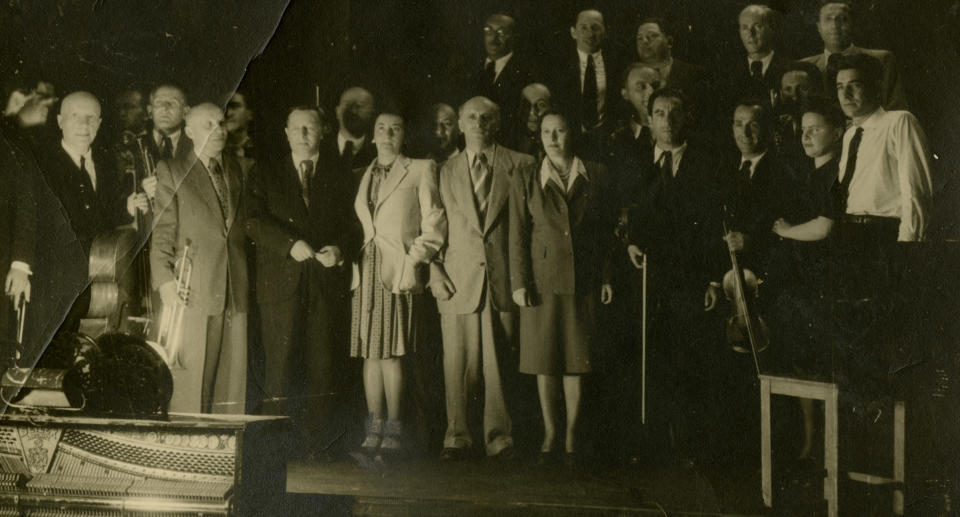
(479, 258)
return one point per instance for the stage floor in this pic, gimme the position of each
(485, 487)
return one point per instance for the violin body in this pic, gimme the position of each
(743, 314)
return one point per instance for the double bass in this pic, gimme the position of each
(745, 327)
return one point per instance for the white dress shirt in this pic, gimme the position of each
(753, 162)
(343, 138)
(88, 161)
(601, 70)
(892, 176)
(297, 160)
(765, 60)
(174, 139)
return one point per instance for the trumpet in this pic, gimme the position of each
(170, 338)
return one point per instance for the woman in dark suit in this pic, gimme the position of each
(561, 225)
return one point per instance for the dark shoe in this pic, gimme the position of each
(454, 453)
(506, 454)
(548, 458)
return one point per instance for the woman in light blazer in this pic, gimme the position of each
(404, 225)
(561, 230)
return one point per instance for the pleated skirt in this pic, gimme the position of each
(382, 323)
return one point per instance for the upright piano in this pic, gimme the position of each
(193, 465)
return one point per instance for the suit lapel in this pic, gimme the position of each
(498, 186)
(398, 171)
(234, 178)
(360, 205)
(463, 189)
(290, 183)
(197, 174)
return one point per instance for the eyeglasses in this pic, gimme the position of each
(489, 31)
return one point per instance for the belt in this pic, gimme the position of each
(868, 219)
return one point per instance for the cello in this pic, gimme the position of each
(745, 327)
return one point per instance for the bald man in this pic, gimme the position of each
(85, 179)
(199, 204)
(470, 281)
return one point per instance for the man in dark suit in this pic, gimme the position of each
(299, 223)
(84, 179)
(631, 144)
(586, 83)
(758, 76)
(503, 74)
(835, 24)
(200, 212)
(353, 146)
(471, 281)
(655, 49)
(165, 140)
(672, 220)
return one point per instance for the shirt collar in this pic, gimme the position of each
(753, 162)
(500, 62)
(343, 138)
(598, 55)
(298, 159)
(845, 52)
(206, 161)
(765, 60)
(547, 173)
(75, 154)
(174, 137)
(635, 128)
(675, 154)
(873, 119)
(490, 152)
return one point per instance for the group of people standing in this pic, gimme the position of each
(526, 223)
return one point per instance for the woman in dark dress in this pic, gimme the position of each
(561, 225)
(822, 127)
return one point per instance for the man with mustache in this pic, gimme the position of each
(199, 204)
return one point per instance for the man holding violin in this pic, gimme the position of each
(669, 218)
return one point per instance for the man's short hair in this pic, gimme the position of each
(659, 21)
(183, 94)
(636, 66)
(578, 12)
(826, 108)
(870, 68)
(766, 113)
(668, 92)
(799, 66)
(305, 107)
(849, 5)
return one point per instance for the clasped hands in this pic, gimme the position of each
(328, 256)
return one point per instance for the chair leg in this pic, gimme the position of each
(830, 441)
(765, 459)
(899, 440)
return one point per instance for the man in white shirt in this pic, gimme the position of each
(885, 165)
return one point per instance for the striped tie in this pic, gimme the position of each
(480, 174)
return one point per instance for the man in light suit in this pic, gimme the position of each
(200, 205)
(835, 25)
(471, 280)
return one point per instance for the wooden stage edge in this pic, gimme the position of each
(483, 487)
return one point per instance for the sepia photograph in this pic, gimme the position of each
(479, 258)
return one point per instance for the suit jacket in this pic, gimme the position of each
(18, 208)
(693, 81)
(894, 97)
(775, 190)
(475, 254)
(91, 211)
(408, 223)
(351, 169)
(278, 218)
(742, 84)
(188, 210)
(559, 245)
(676, 221)
(505, 91)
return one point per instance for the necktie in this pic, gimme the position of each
(491, 70)
(588, 101)
(306, 169)
(480, 176)
(832, 61)
(745, 171)
(86, 173)
(220, 186)
(756, 70)
(666, 166)
(850, 168)
(166, 148)
(348, 150)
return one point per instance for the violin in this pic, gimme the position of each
(746, 330)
